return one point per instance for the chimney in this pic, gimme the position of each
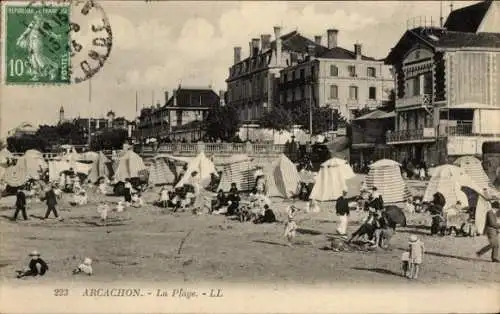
(332, 38)
(357, 51)
(166, 97)
(250, 49)
(221, 97)
(311, 50)
(255, 46)
(237, 54)
(265, 40)
(175, 98)
(277, 35)
(317, 39)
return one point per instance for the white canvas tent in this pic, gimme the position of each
(26, 167)
(450, 181)
(58, 166)
(239, 170)
(385, 175)
(201, 164)
(128, 165)
(282, 178)
(474, 169)
(332, 179)
(162, 171)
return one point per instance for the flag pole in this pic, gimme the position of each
(89, 111)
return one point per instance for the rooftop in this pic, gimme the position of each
(468, 19)
(194, 97)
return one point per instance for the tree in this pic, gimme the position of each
(109, 138)
(323, 118)
(71, 133)
(278, 118)
(222, 123)
(361, 112)
(20, 144)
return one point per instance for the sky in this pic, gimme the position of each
(159, 45)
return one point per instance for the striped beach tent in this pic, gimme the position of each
(385, 175)
(238, 169)
(282, 178)
(334, 177)
(474, 169)
(162, 171)
(101, 165)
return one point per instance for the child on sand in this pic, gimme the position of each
(84, 268)
(36, 266)
(103, 209)
(416, 255)
(405, 259)
(291, 225)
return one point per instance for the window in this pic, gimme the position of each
(352, 70)
(372, 93)
(416, 86)
(302, 92)
(285, 78)
(334, 71)
(371, 72)
(353, 92)
(302, 74)
(334, 92)
(293, 76)
(428, 83)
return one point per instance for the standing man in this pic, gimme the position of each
(51, 201)
(342, 210)
(20, 204)
(491, 230)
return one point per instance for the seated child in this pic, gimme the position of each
(102, 187)
(234, 197)
(164, 197)
(410, 207)
(268, 216)
(37, 266)
(137, 200)
(103, 210)
(84, 268)
(120, 207)
(219, 201)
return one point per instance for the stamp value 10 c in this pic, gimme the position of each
(37, 49)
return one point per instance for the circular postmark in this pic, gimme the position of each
(65, 41)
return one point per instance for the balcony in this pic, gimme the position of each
(411, 136)
(414, 101)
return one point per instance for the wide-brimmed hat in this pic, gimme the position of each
(34, 253)
(87, 261)
(413, 238)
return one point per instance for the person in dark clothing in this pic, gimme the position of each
(491, 231)
(51, 201)
(376, 200)
(342, 210)
(220, 201)
(234, 198)
(37, 266)
(367, 228)
(20, 205)
(268, 217)
(127, 191)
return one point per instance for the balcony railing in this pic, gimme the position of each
(212, 148)
(411, 135)
(418, 100)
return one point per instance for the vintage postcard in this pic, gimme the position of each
(249, 156)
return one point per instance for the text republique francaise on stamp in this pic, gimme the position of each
(64, 43)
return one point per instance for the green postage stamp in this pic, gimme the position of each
(37, 47)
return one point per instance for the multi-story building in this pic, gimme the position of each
(335, 77)
(448, 80)
(252, 82)
(181, 117)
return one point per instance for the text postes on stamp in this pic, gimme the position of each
(36, 47)
(91, 39)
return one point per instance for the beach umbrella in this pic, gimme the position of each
(396, 215)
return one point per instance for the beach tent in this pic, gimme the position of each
(5, 156)
(58, 166)
(238, 169)
(456, 185)
(449, 180)
(128, 165)
(474, 169)
(205, 168)
(162, 171)
(282, 178)
(100, 165)
(33, 154)
(385, 175)
(71, 156)
(332, 179)
(25, 168)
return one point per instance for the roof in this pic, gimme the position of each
(194, 97)
(468, 19)
(438, 38)
(295, 42)
(341, 53)
(377, 115)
